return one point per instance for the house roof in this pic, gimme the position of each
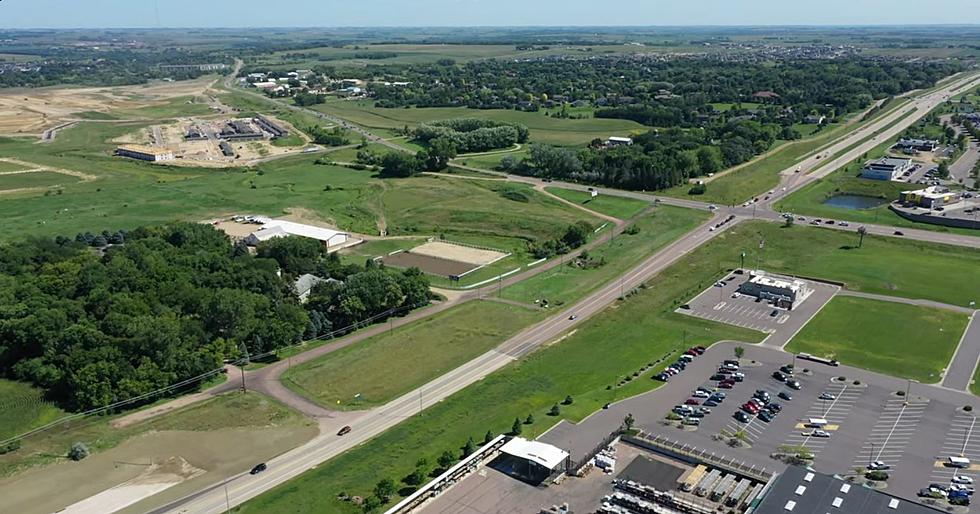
(542, 454)
(801, 491)
(278, 228)
(305, 283)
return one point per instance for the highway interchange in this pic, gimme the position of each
(368, 424)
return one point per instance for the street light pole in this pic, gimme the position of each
(242, 367)
(227, 502)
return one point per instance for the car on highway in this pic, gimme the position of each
(844, 224)
(817, 433)
(783, 395)
(260, 467)
(826, 396)
(899, 233)
(344, 431)
(878, 466)
(573, 317)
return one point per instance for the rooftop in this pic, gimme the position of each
(150, 150)
(542, 454)
(760, 277)
(801, 491)
(277, 228)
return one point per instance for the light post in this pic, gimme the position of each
(227, 502)
(870, 455)
(242, 366)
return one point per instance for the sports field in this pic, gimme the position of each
(544, 129)
(900, 340)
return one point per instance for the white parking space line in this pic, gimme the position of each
(961, 441)
(892, 433)
(834, 412)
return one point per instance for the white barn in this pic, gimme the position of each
(280, 228)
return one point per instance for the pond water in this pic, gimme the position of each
(854, 202)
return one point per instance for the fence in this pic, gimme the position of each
(574, 467)
(697, 455)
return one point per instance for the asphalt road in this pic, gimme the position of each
(960, 372)
(375, 421)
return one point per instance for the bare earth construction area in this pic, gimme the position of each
(444, 259)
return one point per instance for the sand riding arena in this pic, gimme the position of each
(445, 259)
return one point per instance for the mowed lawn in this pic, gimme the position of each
(11, 166)
(543, 129)
(386, 366)
(884, 265)
(588, 364)
(615, 206)
(896, 339)
(23, 407)
(35, 179)
(568, 283)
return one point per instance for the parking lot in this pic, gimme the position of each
(723, 303)
(868, 418)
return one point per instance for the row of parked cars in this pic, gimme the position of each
(760, 405)
(681, 364)
(703, 399)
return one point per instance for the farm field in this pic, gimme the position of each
(900, 340)
(612, 345)
(131, 193)
(208, 436)
(556, 131)
(384, 367)
(23, 408)
(490, 161)
(568, 283)
(615, 206)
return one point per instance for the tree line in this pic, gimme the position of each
(95, 325)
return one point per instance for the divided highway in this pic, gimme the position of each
(373, 422)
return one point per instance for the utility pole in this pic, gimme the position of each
(242, 367)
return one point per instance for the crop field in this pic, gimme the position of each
(384, 367)
(127, 193)
(615, 206)
(22, 408)
(544, 129)
(900, 340)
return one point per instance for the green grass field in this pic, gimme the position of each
(23, 407)
(172, 108)
(10, 166)
(544, 129)
(290, 140)
(615, 206)
(130, 193)
(566, 284)
(384, 367)
(94, 115)
(35, 179)
(601, 353)
(491, 161)
(900, 340)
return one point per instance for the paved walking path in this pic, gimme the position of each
(907, 301)
(959, 374)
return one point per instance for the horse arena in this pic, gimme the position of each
(444, 259)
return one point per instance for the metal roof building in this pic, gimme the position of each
(801, 491)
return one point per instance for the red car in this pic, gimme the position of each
(700, 350)
(344, 430)
(692, 352)
(750, 408)
(727, 381)
(692, 401)
(726, 385)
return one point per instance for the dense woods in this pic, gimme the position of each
(467, 135)
(94, 325)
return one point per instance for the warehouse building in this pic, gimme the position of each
(226, 149)
(921, 145)
(280, 228)
(930, 198)
(782, 292)
(886, 168)
(270, 126)
(145, 153)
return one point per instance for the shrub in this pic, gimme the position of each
(876, 475)
(555, 410)
(968, 408)
(10, 447)
(78, 451)
(568, 400)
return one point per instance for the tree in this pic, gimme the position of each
(399, 164)
(943, 170)
(384, 489)
(78, 451)
(788, 222)
(515, 429)
(469, 447)
(709, 161)
(446, 459)
(555, 410)
(529, 419)
(628, 422)
(862, 231)
(488, 437)
(739, 352)
(568, 400)
(416, 477)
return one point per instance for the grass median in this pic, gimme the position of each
(900, 340)
(616, 206)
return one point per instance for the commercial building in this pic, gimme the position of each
(237, 130)
(921, 145)
(280, 228)
(145, 153)
(930, 198)
(801, 491)
(616, 141)
(886, 168)
(782, 292)
(532, 461)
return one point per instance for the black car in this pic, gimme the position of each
(787, 369)
(774, 407)
(766, 416)
(785, 396)
(719, 376)
(662, 377)
(258, 468)
(741, 416)
(774, 313)
(710, 403)
(778, 375)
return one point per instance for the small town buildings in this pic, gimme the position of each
(226, 149)
(270, 126)
(782, 292)
(145, 153)
(886, 168)
(930, 198)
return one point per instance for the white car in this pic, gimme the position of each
(962, 479)
(736, 294)
(844, 224)
(817, 433)
(712, 207)
(827, 396)
(878, 466)
(701, 394)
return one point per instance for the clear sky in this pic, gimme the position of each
(334, 13)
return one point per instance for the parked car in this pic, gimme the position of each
(260, 467)
(726, 385)
(691, 421)
(778, 375)
(719, 376)
(719, 394)
(663, 377)
(703, 410)
(691, 401)
(344, 430)
(774, 407)
(827, 396)
(878, 466)
(741, 416)
(711, 403)
(766, 416)
(787, 369)
(783, 395)
(962, 479)
(794, 384)
(774, 313)
(817, 433)
(701, 394)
